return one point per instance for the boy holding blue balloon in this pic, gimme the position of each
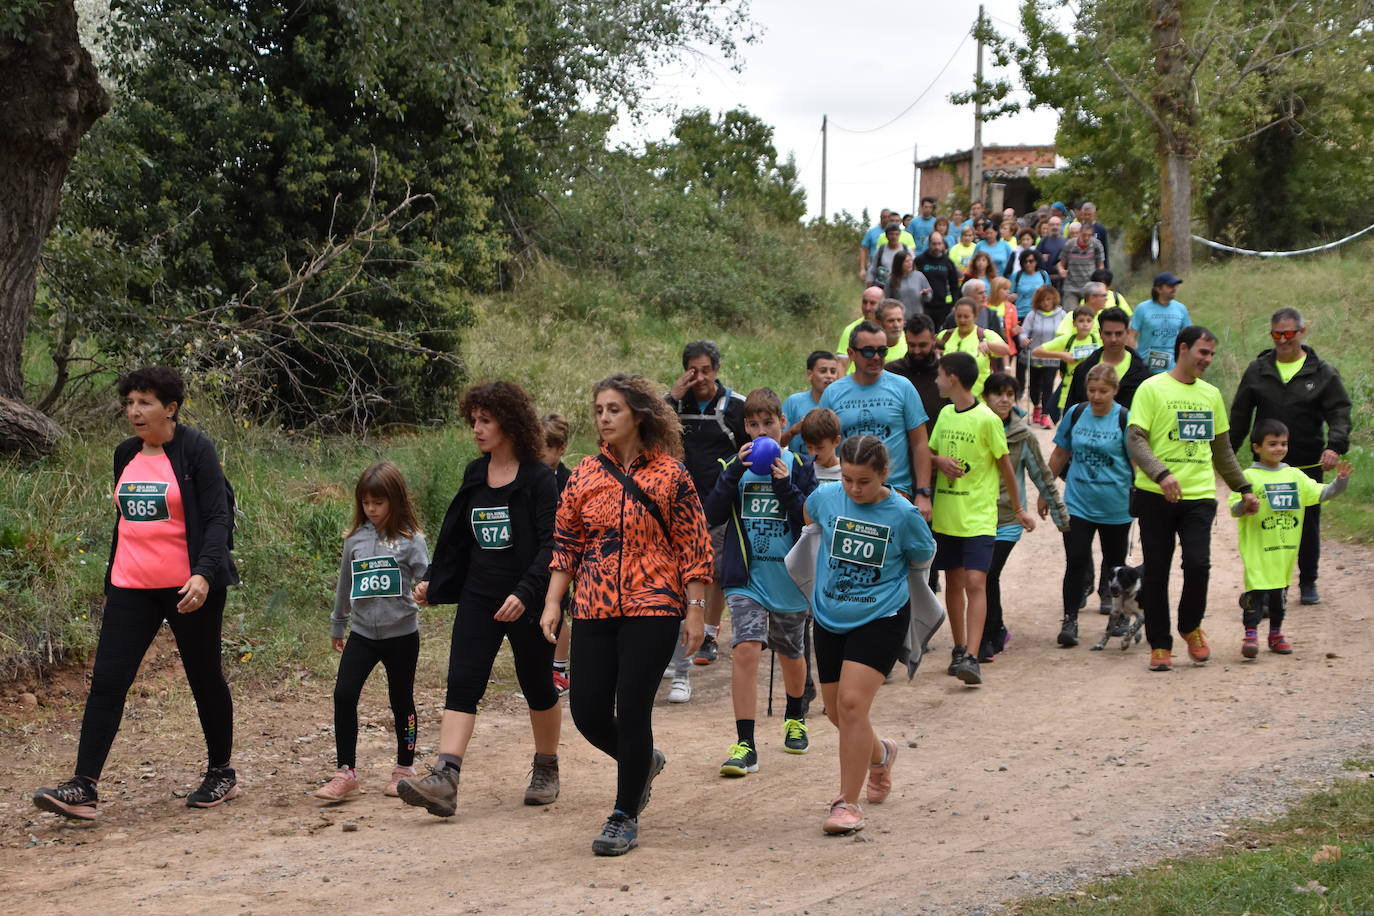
(760, 493)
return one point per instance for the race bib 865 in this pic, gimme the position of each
(143, 501)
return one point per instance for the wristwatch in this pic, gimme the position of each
(922, 491)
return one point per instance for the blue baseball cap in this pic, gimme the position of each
(1059, 205)
(1167, 279)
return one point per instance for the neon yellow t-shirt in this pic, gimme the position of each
(1269, 539)
(1288, 370)
(1081, 348)
(1066, 326)
(1122, 367)
(953, 343)
(967, 507)
(1180, 421)
(960, 255)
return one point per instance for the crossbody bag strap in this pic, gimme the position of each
(637, 494)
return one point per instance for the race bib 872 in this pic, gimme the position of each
(860, 542)
(376, 577)
(143, 501)
(760, 502)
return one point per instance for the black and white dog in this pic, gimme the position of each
(1127, 619)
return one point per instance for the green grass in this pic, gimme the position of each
(1263, 868)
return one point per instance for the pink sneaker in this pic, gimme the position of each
(1046, 422)
(397, 774)
(844, 818)
(880, 774)
(341, 787)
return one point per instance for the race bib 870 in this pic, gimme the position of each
(1283, 496)
(1194, 425)
(143, 501)
(376, 577)
(855, 541)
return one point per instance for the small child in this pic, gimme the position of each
(969, 449)
(763, 506)
(1071, 349)
(383, 556)
(820, 432)
(822, 368)
(1269, 538)
(1039, 328)
(556, 430)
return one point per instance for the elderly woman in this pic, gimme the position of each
(169, 560)
(630, 532)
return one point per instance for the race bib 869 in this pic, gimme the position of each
(376, 577)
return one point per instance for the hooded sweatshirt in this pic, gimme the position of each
(375, 578)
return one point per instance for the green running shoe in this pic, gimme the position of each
(743, 761)
(794, 739)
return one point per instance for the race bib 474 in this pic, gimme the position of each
(1195, 425)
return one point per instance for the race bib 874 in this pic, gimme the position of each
(860, 542)
(143, 501)
(1195, 425)
(376, 577)
(491, 527)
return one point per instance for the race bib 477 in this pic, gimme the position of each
(1282, 496)
(143, 502)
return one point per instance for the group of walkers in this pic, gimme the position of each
(821, 521)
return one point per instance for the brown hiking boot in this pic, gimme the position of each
(543, 788)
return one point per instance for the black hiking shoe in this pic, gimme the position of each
(619, 836)
(1068, 632)
(655, 767)
(75, 799)
(220, 785)
(967, 670)
(955, 654)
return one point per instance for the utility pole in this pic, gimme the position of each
(825, 139)
(975, 178)
(915, 178)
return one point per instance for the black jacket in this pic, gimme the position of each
(710, 438)
(722, 505)
(1125, 391)
(205, 499)
(944, 279)
(922, 378)
(1313, 397)
(533, 504)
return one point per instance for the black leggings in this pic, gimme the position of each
(399, 656)
(619, 661)
(131, 621)
(1042, 385)
(1078, 557)
(472, 652)
(1022, 366)
(994, 628)
(1256, 602)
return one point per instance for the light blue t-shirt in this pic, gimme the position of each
(764, 522)
(886, 409)
(1000, 252)
(870, 239)
(1024, 286)
(793, 409)
(1158, 326)
(861, 568)
(1098, 486)
(920, 230)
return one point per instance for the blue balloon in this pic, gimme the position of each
(762, 454)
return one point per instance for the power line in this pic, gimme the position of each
(811, 155)
(918, 98)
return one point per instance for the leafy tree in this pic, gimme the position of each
(1154, 94)
(51, 98)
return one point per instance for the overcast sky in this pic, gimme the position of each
(818, 57)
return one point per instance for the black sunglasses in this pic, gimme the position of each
(870, 352)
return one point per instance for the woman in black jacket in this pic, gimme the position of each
(169, 560)
(492, 559)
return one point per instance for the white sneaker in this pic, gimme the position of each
(681, 690)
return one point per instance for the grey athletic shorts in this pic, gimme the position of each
(750, 621)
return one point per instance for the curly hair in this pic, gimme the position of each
(1045, 299)
(513, 411)
(659, 426)
(161, 382)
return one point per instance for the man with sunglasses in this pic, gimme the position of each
(1292, 384)
(876, 402)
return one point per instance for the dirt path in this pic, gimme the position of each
(1067, 764)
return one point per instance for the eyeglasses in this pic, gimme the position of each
(1284, 335)
(870, 352)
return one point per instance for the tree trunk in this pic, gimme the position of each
(1176, 144)
(54, 97)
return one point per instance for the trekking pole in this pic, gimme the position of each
(772, 660)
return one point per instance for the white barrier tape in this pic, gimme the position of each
(1279, 254)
